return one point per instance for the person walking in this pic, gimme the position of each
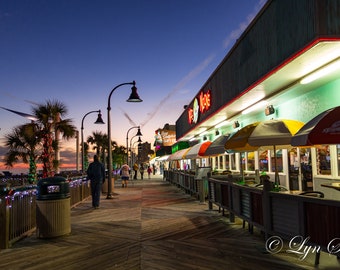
(135, 168)
(125, 174)
(141, 170)
(149, 170)
(96, 173)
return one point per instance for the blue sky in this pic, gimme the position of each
(76, 51)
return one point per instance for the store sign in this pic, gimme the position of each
(201, 104)
(164, 137)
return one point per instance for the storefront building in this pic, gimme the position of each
(286, 65)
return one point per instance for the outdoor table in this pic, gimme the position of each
(332, 185)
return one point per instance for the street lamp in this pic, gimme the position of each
(133, 98)
(127, 141)
(139, 143)
(98, 121)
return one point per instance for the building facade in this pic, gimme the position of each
(267, 75)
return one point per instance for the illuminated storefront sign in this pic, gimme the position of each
(164, 137)
(201, 104)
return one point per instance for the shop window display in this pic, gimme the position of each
(220, 164)
(306, 169)
(279, 162)
(323, 160)
(250, 161)
(230, 162)
(243, 161)
(263, 166)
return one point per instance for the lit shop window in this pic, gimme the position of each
(221, 162)
(250, 161)
(305, 156)
(230, 162)
(306, 164)
(243, 160)
(323, 160)
(263, 161)
(278, 161)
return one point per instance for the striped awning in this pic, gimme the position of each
(181, 154)
(198, 150)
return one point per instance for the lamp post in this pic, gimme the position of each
(139, 140)
(127, 141)
(98, 121)
(133, 98)
(132, 149)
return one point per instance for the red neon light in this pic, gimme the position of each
(205, 101)
(190, 115)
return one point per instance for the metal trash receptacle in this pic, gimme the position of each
(53, 215)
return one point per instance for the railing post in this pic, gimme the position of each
(4, 226)
(266, 208)
(230, 193)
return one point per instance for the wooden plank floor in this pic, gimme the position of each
(150, 225)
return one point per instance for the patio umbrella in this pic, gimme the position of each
(274, 133)
(198, 150)
(180, 154)
(238, 141)
(269, 133)
(322, 129)
(217, 146)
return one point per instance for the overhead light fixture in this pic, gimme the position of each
(269, 110)
(134, 97)
(335, 65)
(256, 106)
(236, 124)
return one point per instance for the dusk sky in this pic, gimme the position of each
(77, 51)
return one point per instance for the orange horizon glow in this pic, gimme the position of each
(22, 167)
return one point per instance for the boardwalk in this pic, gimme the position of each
(150, 225)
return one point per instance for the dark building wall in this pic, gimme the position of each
(281, 29)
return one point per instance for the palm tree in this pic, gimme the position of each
(86, 153)
(24, 144)
(50, 118)
(99, 142)
(118, 155)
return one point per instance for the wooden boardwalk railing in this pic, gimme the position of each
(313, 223)
(18, 209)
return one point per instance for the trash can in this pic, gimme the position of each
(53, 215)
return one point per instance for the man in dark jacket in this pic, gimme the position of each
(96, 173)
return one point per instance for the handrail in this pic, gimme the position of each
(276, 213)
